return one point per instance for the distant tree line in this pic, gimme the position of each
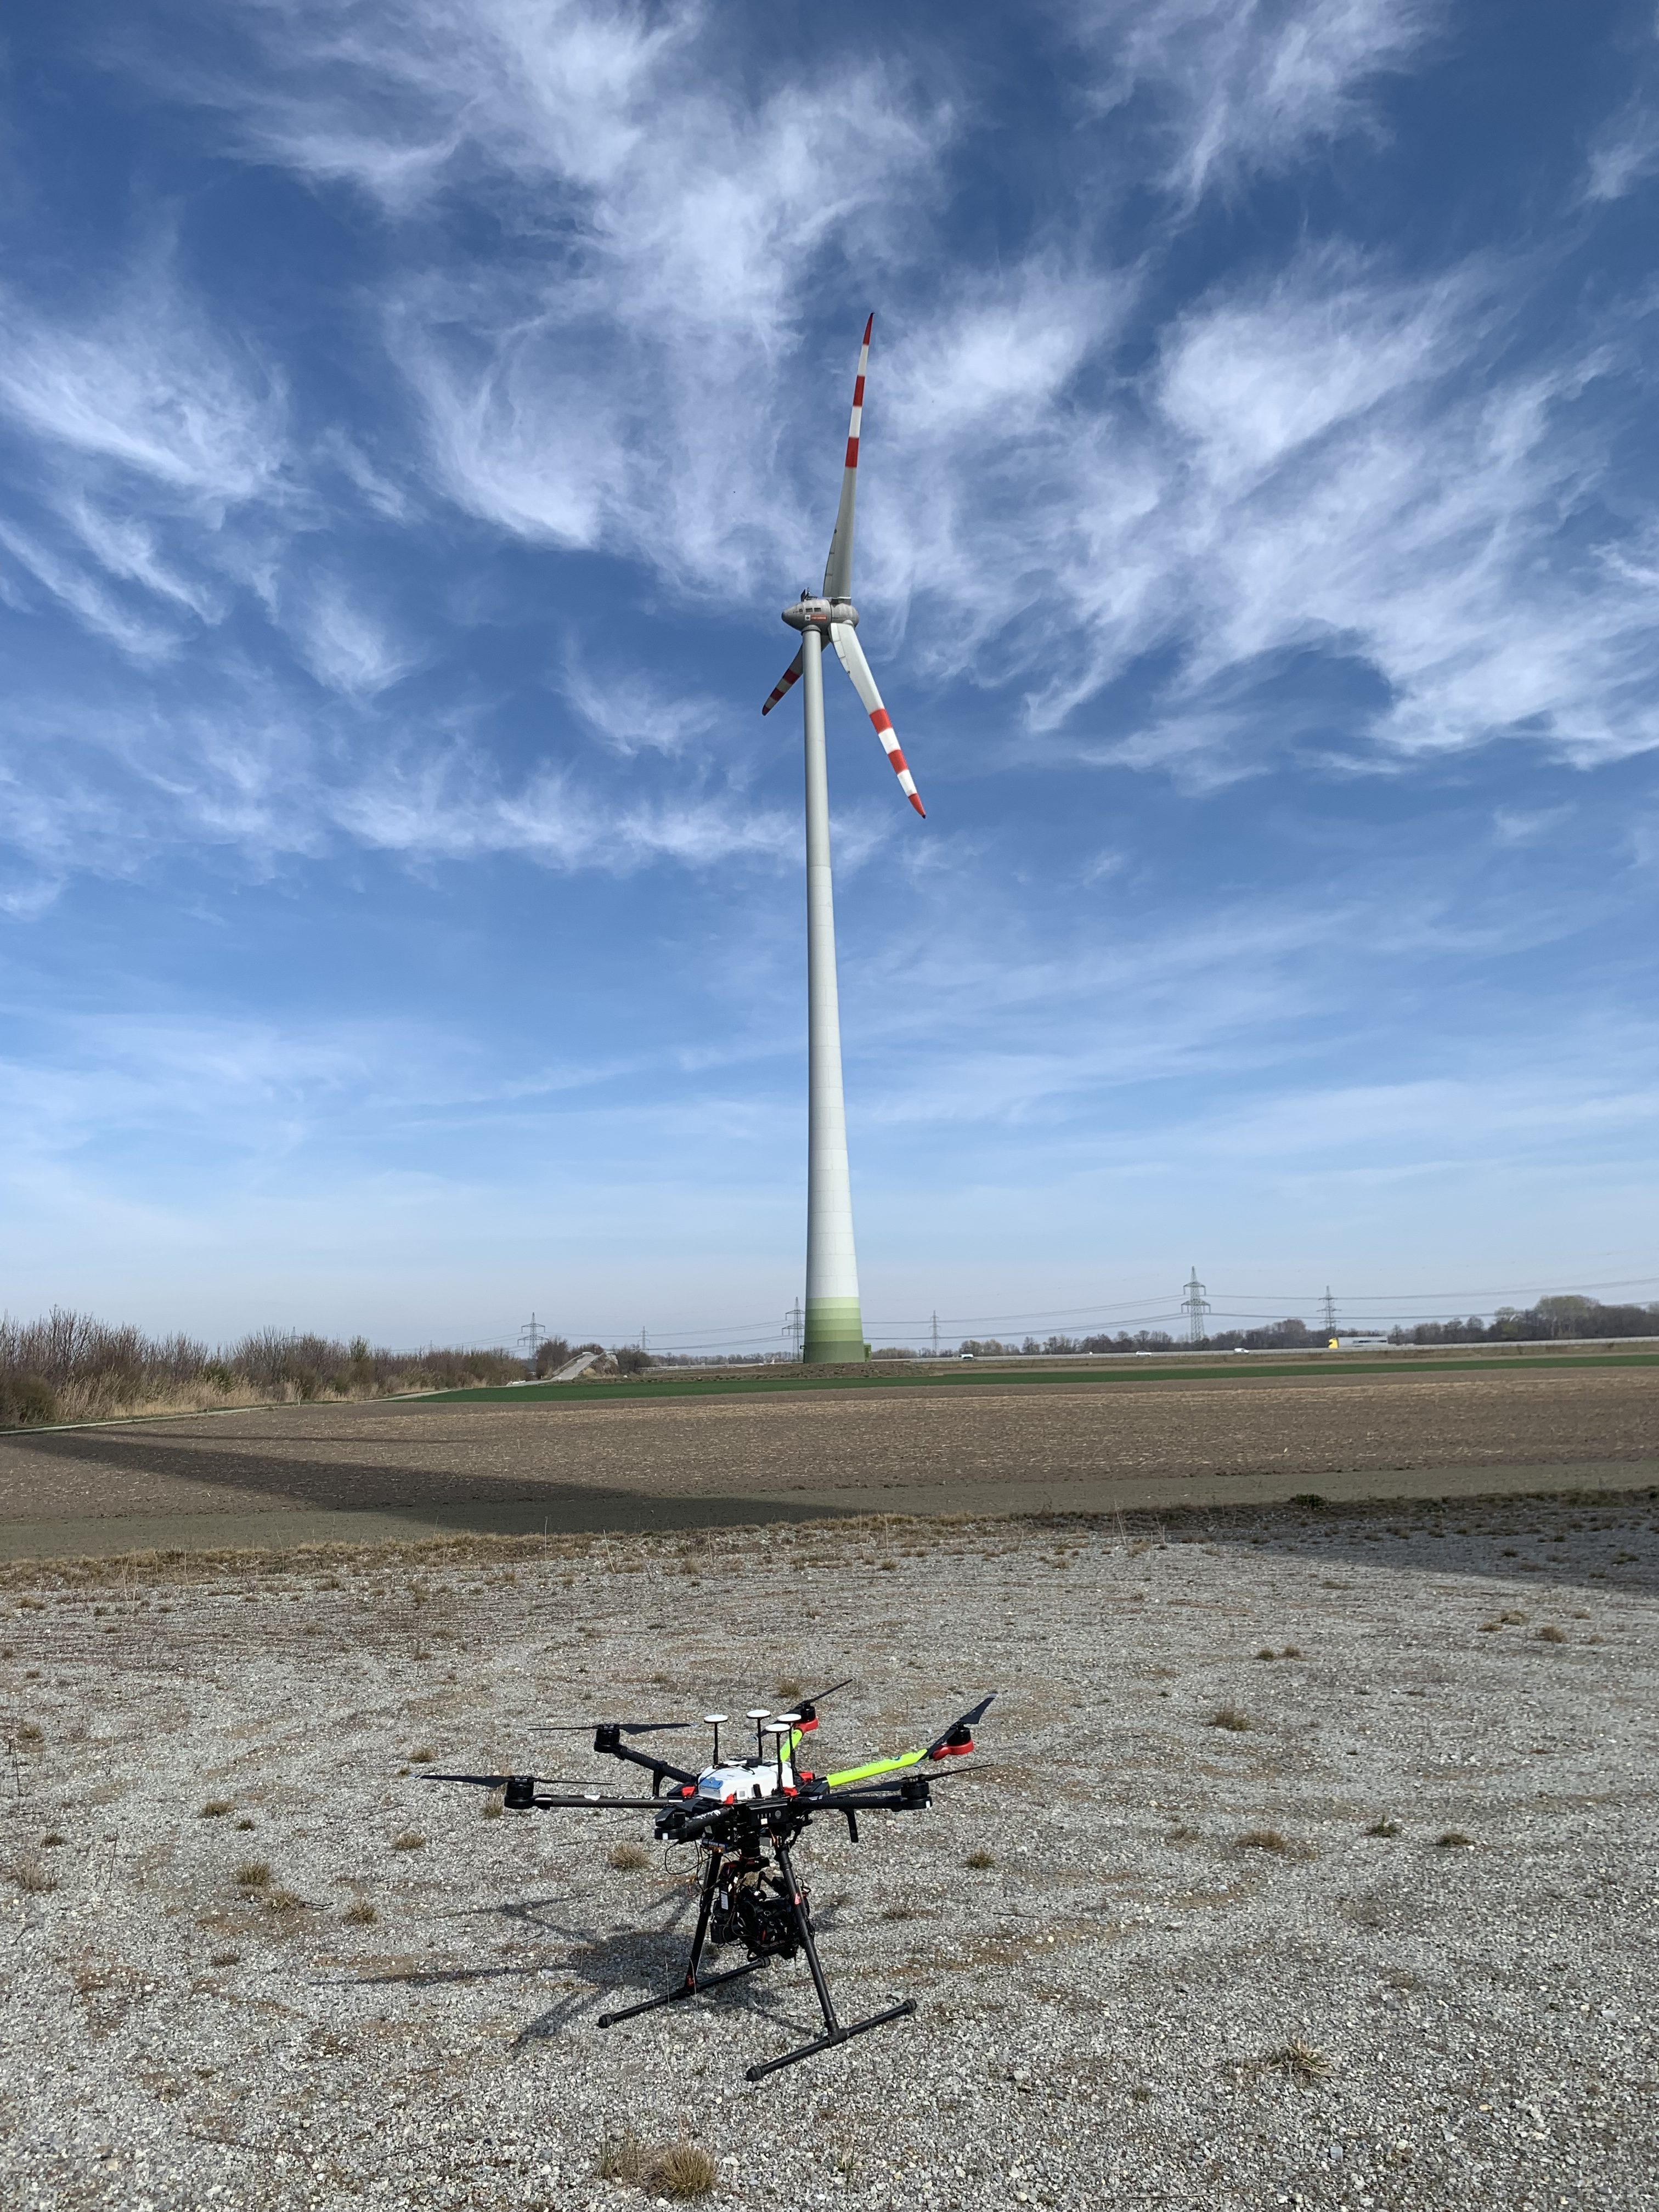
(1549, 1319)
(1552, 1317)
(71, 1366)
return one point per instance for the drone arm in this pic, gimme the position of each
(609, 1740)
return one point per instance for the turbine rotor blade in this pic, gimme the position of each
(851, 655)
(838, 568)
(788, 676)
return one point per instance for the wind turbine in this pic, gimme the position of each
(835, 1323)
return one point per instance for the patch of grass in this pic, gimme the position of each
(1228, 1717)
(1265, 1839)
(1303, 2060)
(29, 1733)
(683, 2169)
(35, 1880)
(1267, 1652)
(1548, 1635)
(1383, 1828)
(51, 1842)
(282, 1900)
(359, 1914)
(411, 1839)
(787, 1691)
(1292, 1651)
(226, 1959)
(980, 1859)
(216, 1809)
(423, 1755)
(253, 1874)
(245, 1825)
(628, 1857)
(1453, 1840)
(1183, 1832)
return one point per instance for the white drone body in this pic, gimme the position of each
(748, 1777)
(734, 1782)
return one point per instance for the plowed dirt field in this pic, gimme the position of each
(1091, 1446)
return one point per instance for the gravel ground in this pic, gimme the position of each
(1122, 1997)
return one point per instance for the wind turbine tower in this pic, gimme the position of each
(835, 1322)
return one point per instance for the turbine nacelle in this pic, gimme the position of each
(820, 614)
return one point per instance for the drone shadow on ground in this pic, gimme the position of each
(627, 1964)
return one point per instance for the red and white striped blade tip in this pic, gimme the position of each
(788, 676)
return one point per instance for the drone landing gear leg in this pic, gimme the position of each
(690, 1987)
(833, 2032)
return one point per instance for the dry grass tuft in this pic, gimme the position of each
(226, 1959)
(1383, 1828)
(423, 1755)
(684, 2170)
(216, 1809)
(1547, 1635)
(282, 1901)
(1228, 1717)
(981, 1859)
(1303, 2060)
(1183, 1832)
(412, 1839)
(628, 1858)
(1269, 1840)
(33, 1877)
(253, 1874)
(1453, 1840)
(359, 1914)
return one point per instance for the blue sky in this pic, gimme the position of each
(412, 418)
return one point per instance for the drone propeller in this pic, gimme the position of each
(808, 1708)
(622, 1728)
(959, 1736)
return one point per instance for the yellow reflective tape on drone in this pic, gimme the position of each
(875, 1766)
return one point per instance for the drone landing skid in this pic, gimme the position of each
(833, 2032)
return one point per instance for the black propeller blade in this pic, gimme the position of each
(810, 1704)
(963, 1725)
(622, 1728)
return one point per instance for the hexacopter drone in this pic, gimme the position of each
(742, 1815)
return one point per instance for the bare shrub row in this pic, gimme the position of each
(72, 1366)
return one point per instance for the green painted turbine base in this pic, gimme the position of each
(834, 1332)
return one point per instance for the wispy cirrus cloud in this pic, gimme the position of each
(1236, 86)
(1333, 460)
(145, 384)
